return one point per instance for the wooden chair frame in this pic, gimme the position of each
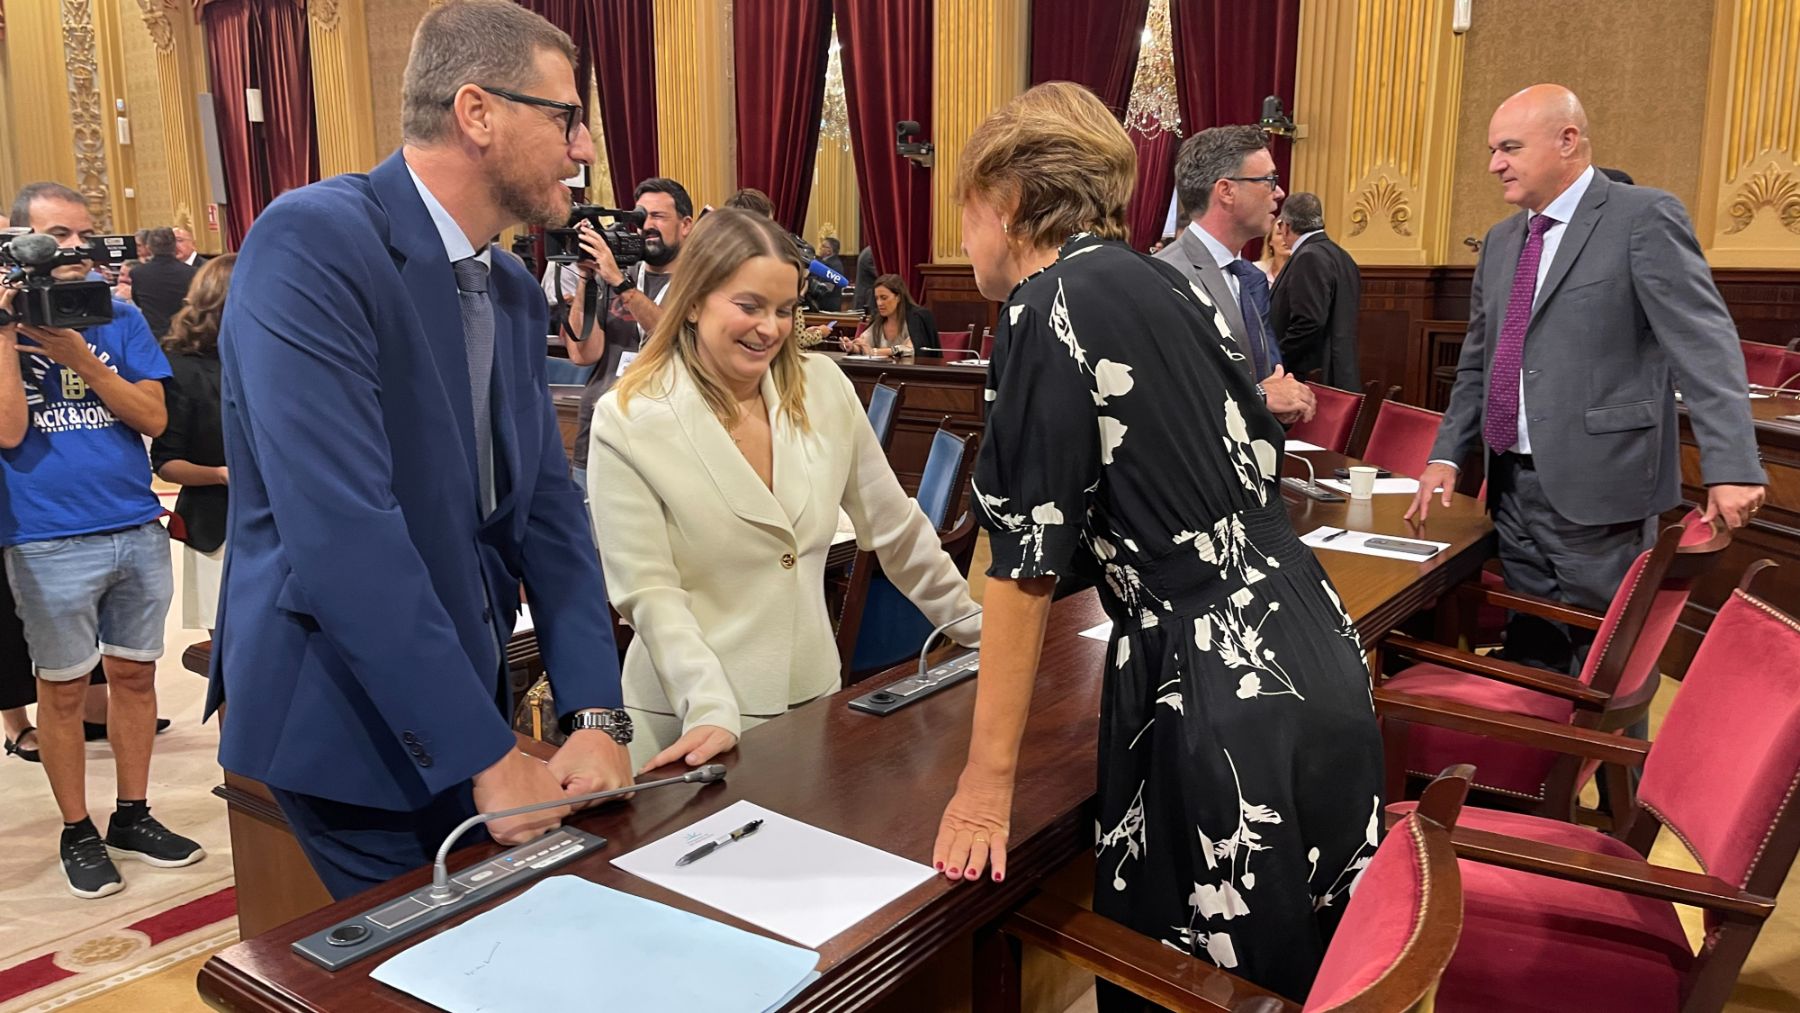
(1175, 980)
(1596, 706)
(1741, 912)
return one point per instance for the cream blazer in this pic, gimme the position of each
(722, 580)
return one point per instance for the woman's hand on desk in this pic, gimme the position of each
(700, 744)
(591, 761)
(974, 828)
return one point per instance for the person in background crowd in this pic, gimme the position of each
(899, 325)
(160, 284)
(752, 200)
(1317, 298)
(86, 557)
(185, 250)
(1121, 438)
(719, 464)
(191, 451)
(866, 274)
(1275, 253)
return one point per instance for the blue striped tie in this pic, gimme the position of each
(478, 335)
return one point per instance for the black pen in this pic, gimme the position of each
(1334, 534)
(711, 846)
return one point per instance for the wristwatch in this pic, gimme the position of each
(614, 722)
(625, 283)
(1262, 393)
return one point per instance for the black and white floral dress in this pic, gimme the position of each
(1240, 764)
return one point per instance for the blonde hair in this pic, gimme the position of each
(723, 242)
(1061, 155)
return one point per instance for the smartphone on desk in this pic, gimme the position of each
(1344, 473)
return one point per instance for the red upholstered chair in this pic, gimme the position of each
(953, 340)
(1766, 365)
(1402, 438)
(1614, 690)
(1335, 420)
(1398, 931)
(987, 342)
(1561, 917)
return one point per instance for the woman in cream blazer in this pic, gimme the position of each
(721, 576)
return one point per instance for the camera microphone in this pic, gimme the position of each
(818, 270)
(33, 249)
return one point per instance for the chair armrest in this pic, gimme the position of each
(1543, 608)
(1606, 747)
(1144, 965)
(1553, 683)
(1635, 876)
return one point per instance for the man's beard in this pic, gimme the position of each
(529, 207)
(657, 253)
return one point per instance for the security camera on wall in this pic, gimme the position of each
(919, 151)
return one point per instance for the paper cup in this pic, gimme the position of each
(1362, 481)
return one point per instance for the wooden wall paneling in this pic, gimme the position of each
(949, 292)
(1765, 304)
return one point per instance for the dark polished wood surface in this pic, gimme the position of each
(885, 781)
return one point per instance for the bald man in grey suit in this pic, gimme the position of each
(1586, 308)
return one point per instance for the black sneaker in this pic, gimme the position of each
(150, 842)
(95, 731)
(91, 872)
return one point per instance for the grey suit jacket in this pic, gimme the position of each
(1191, 257)
(1627, 306)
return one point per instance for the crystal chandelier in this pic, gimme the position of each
(1154, 105)
(834, 120)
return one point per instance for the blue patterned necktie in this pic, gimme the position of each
(478, 336)
(1253, 301)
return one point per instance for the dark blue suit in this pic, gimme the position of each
(365, 601)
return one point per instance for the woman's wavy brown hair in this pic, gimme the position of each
(195, 329)
(1061, 155)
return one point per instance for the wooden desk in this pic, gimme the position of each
(935, 387)
(884, 781)
(1774, 534)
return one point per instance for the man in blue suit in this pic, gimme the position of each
(397, 473)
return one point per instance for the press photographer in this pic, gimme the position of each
(87, 560)
(628, 303)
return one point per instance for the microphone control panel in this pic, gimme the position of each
(381, 927)
(915, 688)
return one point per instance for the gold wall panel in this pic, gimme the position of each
(41, 125)
(980, 63)
(180, 69)
(342, 105)
(390, 25)
(696, 121)
(1749, 199)
(9, 168)
(1637, 66)
(152, 205)
(1321, 160)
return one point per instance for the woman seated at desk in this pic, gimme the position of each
(716, 469)
(899, 324)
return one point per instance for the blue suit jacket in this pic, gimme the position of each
(365, 601)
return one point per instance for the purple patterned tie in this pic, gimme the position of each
(1500, 423)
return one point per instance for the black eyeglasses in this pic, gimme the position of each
(1273, 179)
(571, 112)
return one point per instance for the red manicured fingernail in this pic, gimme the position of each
(955, 872)
(999, 876)
(973, 874)
(940, 867)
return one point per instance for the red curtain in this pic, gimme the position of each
(887, 60)
(622, 44)
(781, 47)
(227, 25)
(260, 44)
(1091, 44)
(284, 57)
(1149, 207)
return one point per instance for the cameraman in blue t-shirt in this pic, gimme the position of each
(87, 560)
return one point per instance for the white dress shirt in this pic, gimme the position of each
(1301, 239)
(456, 242)
(1562, 209)
(1221, 255)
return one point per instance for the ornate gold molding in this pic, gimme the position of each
(156, 19)
(1381, 199)
(85, 109)
(324, 14)
(1772, 189)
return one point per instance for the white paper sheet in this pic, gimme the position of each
(846, 530)
(525, 622)
(1383, 486)
(1299, 446)
(1102, 632)
(531, 952)
(791, 878)
(1352, 541)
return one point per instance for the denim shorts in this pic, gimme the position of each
(89, 595)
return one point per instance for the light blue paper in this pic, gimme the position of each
(566, 937)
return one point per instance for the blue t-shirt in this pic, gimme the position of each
(80, 471)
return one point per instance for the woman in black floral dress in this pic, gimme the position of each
(1240, 763)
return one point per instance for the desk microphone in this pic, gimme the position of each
(1763, 388)
(1308, 487)
(925, 648)
(926, 681)
(440, 872)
